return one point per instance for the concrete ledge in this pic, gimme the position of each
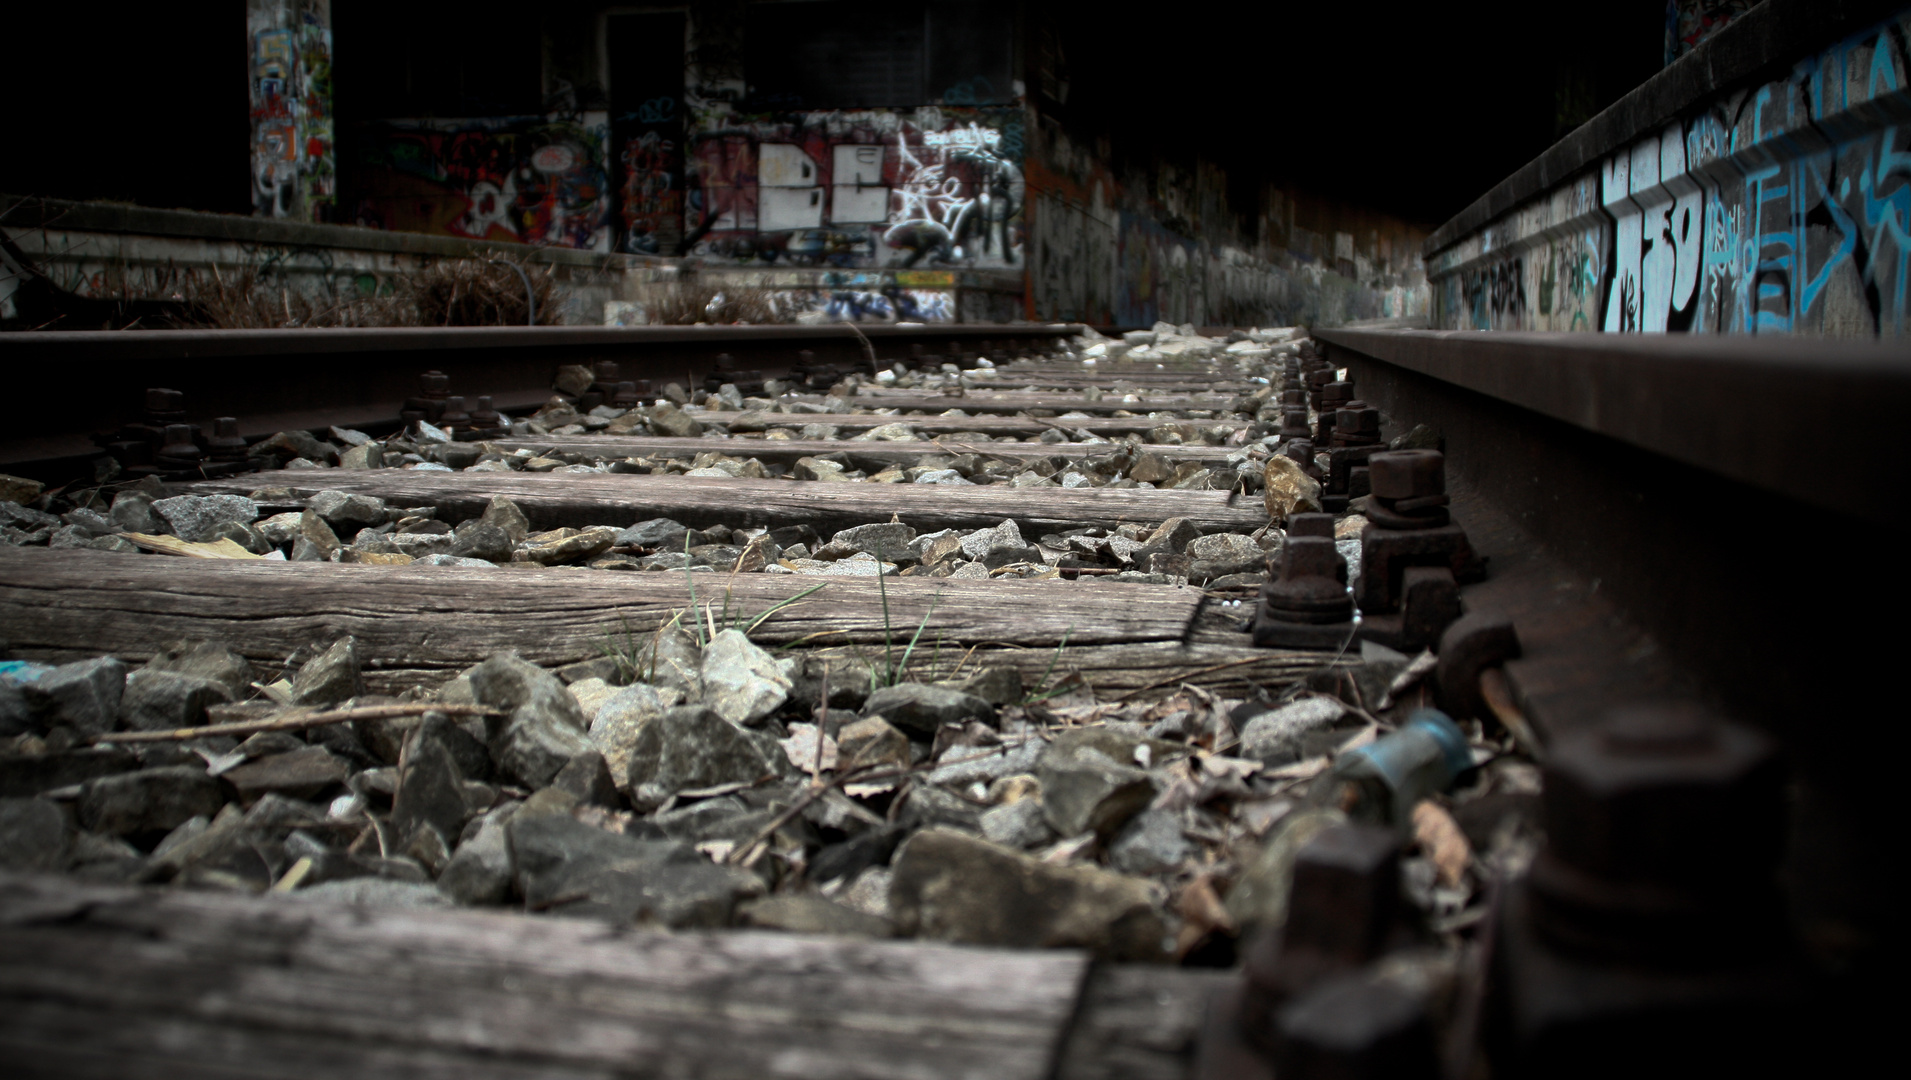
(1763, 43)
(22, 212)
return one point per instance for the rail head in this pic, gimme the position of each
(1770, 412)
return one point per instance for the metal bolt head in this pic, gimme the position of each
(178, 445)
(1408, 474)
(1310, 525)
(1355, 1027)
(606, 372)
(1665, 793)
(1346, 892)
(434, 384)
(160, 400)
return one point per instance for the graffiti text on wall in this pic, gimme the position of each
(925, 187)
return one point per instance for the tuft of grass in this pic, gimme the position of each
(1046, 689)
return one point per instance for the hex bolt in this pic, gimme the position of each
(485, 417)
(1409, 474)
(1307, 606)
(1301, 450)
(434, 385)
(454, 414)
(1356, 424)
(1664, 830)
(606, 372)
(165, 404)
(177, 448)
(624, 395)
(1294, 423)
(226, 444)
(1471, 644)
(1342, 908)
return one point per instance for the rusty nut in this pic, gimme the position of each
(1408, 474)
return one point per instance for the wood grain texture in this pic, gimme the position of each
(1013, 401)
(987, 425)
(114, 981)
(788, 450)
(70, 602)
(556, 499)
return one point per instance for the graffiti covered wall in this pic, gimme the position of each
(294, 172)
(927, 188)
(1783, 208)
(528, 180)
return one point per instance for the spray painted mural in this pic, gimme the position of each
(930, 187)
(294, 171)
(529, 180)
(1785, 208)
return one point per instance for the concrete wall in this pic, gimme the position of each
(1781, 204)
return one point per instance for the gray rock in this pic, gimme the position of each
(1299, 729)
(621, 718)
(148, 801)
(300, 774)
(1084, 790)
(1000, 555)
(477, 540)
(286, 446)
(1019, 824)
(741, 682)
(452, 560)
(347, 513)
(133, 511)
(919, 709)
(1174, 535)
(428, 809)
(157, 700)
(587, 779)
(671, 657)
(32, 835)
(16, 716)
(206, 660)
(995, 685)
(969, 764)
(482, 870)
(658, 534)
(950, 887)
(83, 695)
(808, 913)
(889, 541)
(543, 728)
(927, 807)
(570, 868)
(688, 748)
(1230, 549)
(1151, 843)
(331, 677)
(197, 518)
(977, 544)
(674, 422)
(375, 892)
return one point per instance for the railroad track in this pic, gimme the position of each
(1044, 570)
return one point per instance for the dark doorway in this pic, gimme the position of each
(646, 108)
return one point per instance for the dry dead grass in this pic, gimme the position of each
(689, 303)
(453, 292)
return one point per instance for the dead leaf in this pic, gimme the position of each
(1440, 837)
(222, 548)
(806, 752)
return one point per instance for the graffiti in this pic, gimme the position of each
(901, 188)
(524, 180)
(1785, 208)
(651, 202)
(1496, 292)
(293, 170)
(659, 110)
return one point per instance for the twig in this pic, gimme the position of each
(294, 722)
(1182, 678)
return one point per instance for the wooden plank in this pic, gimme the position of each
(557, 499)
(65, 603)
(788, 450)
(1013, 401)
(114, 981)
(1107, 426)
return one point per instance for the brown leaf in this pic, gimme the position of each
(1440, 837)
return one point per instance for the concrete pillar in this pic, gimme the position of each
(294, 159)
